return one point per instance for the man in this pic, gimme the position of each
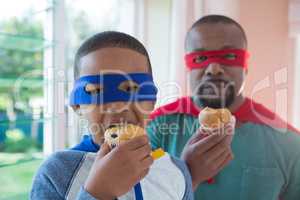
(266, 163)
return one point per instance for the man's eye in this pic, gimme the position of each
(230, 56)
(93, 89)
(200, 59)
(129, 86)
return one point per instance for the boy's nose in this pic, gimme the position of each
(117, 107)
(214, 69)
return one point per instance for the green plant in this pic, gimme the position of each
(17, 142)
(16, 179)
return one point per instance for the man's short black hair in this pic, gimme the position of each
(214, 19)
(108, 39)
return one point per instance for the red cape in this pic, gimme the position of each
(249, 111)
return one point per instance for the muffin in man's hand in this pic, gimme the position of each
(218, 121)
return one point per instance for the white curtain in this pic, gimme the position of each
(165, 26)
(294, 31)
(184, 13)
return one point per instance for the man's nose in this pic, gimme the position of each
(214, 69)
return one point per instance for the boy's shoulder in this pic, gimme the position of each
(66, 172)
(62, 160)
(59, 170)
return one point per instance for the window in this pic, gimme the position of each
(85, 18)
(38, 40)
(21, 93)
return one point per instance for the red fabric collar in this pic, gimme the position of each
(249, 111)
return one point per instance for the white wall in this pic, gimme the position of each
(272, 75)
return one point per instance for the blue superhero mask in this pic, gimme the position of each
(107, 88)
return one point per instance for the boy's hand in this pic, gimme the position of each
(115, 173)
(206, 155)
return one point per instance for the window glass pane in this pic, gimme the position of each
(21, 94)
(22, 48)
(85, 18)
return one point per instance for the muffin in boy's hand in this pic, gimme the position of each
(121, 133)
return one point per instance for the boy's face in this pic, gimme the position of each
(114, 60)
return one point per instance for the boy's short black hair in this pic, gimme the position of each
(214, 19)
(108, 39)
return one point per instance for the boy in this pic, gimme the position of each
(114, 86)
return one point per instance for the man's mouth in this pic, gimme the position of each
(215, 93)
(213, 87)
(216, 81)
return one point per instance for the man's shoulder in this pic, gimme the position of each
(281, 139)
(167, 109)
(257, 113)
(181, 106)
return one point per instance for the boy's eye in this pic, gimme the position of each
(230, 56)
(129, 86)
(200, 59)
(93, 88)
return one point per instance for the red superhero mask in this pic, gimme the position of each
(227, 57)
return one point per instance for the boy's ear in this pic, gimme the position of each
(77, 109)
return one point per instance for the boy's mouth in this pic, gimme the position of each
(118, 123)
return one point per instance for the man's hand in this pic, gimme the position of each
(115, 173)
(206, 154)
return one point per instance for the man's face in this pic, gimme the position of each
(216, 85)
(114, 60)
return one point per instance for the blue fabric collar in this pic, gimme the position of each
(87, 144)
